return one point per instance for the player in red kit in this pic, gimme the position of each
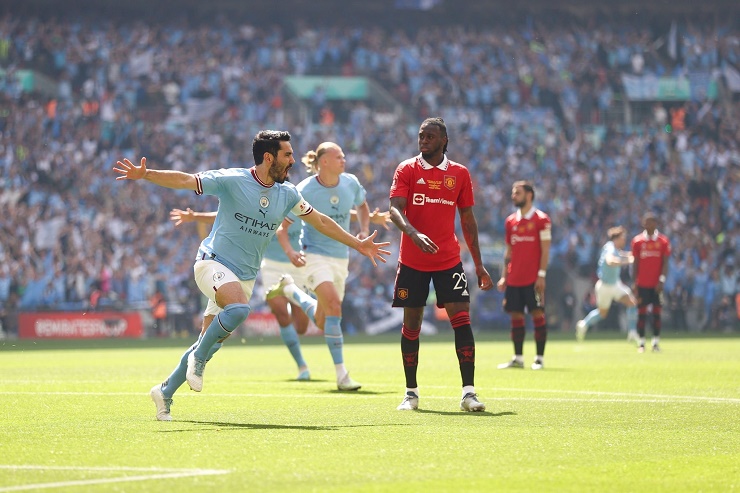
(427, 191)
(651, 250)
(528, 237)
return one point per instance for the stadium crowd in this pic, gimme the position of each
(522, 100)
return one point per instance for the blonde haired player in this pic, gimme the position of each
(609, 287)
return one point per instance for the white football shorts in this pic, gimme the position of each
(606, 293)
(211, 275)
(320, 269)
(271, 270)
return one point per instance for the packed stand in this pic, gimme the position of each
(526, 100)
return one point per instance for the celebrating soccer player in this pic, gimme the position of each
(252, 204)
(609, 287)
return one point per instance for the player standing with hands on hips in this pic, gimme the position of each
(528, 237)
(426, 192)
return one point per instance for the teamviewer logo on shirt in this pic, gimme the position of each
(418, 199)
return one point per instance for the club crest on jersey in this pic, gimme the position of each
(402, 293)
(264, 202)
(217, 276)
(450, 182)
(334, 200)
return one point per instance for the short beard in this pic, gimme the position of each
(277, 179)
(428, 155)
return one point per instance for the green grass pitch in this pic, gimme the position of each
(599, 417)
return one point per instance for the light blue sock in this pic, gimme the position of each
(631, 318)
(221, 327)
(334, 338)
(306, 302)
(290, 338)
(177, 378)
(592, 318)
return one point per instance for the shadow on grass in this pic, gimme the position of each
(306, 382)
(262, 426)
(461, 413)
(358, 392)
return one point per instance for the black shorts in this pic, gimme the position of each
(649, 296)
(517, 298)
(412, 286)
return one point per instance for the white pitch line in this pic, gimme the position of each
(163, 474)
(606, 396)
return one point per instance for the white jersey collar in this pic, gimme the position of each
(443, 165)
(651, 238)
(528, 215)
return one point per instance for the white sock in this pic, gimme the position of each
(415, 390)
(519, 358)
(540, 358)
(341, 370)
(656, 340)
(468, 389)
(642, 341)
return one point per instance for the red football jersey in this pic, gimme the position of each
(525, 234)
(433, 195)
(650, 250)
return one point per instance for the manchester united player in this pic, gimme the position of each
(528, 237)
(427, 190)
(651, 250)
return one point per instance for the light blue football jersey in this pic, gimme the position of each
(608, 274)
(275, 252)
(248, 215)
(335, 202)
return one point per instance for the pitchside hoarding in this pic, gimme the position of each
(79, 325)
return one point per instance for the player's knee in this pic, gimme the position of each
(333, 308)
(234, 314)
(283, 318)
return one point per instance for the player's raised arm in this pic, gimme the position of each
(376, 217)
(327, 226)
(164, 178)
(179, 216)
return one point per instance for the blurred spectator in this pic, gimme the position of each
(521, 98)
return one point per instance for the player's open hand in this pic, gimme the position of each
(382, 218)
(129, 171)
(372, 250)
(180, 216)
